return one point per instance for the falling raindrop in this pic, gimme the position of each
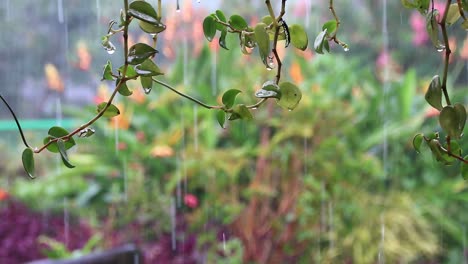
(464, 253)
(195, 127)
(224, 242)
(271, 63)
(60, 11)
(330, 226)
(110, 51)
(381, 255)
(214, 74)
(178, 7)
(186, 62)
(173, 224)
(7, 8)
(98, 11)
(116, 134)
(66, 222)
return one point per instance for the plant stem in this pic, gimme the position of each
(447, 52)
(187, 96)
(17, 122)
(114, 93)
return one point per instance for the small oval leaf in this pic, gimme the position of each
(209, 27)
(434, 93)
(242, 111)
(453, 14)
(461, 113)
(417, 141)
(263, 42)
(139, 52)
(221, 117)
(148, 68)
(111, 111)
(229, 97)
(143, 11)
(63, 153)
(290, 95)
(330, 26)
(107, 74)
(238, 22)
(299, 37)
(319, 42)
(123, 89)
(58, 132)
(448, 120)
(28, 162)
(150, 28)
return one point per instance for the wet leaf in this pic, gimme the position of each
(143, 11)
(111, 111)
(238, 22)
(86, 132)
(453, 14)
(439, 153)
(319, 42)
(221, 17)
(330, 26)
(222, 40)
(242, 111)
(221, 117)
(146, 84)
(63, 153)
(449, 121)
(269, 90)
(290, 95)
(299, 37)
(28, 162)
(130, 73)
(148, 68)
(461, 113)
(263, 42)
(107, 74)
(209, 27)
(58, 132)
(455, 147)
(434, 93)
(417, 141)
(123, 89)
(139, 52)
(229, 97)
(150, 28)
(432, 28)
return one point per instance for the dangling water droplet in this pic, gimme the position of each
(440, 48)
(268, 69)
(147, 90)
(254, 108)
(178, 7)
(271, 63)
(346, 49)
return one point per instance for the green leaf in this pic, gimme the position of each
(123, 89)
(222, 40)
(229, 97)
(417, 141)
(143, 11)
(63, 153)
(263, 42)
(221, 17)
(439, 153)
(434, 93)
(58, 132)
(449, 121)
(299, 37)
(267, 20)
(148, 68)
(432, 28)
(221, 117)
(131, 73)
(242, 111)
(107, 74)
(269, 90)
(209, 27)
(238, 22)
(139, 52)
(409, 4)
(461, 113)
(330, 26)
(319, 41)
(28, 161)
(86, 132)
(150, 28)
(453, 14)
(464, 169)
(111, 111)
(146, 84)
(290, 95)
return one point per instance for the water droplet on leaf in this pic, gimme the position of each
(147, 90)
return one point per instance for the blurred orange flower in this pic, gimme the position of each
(121, 121)
(84, 57)
(162, 151)
(54, 81)
(296, 73)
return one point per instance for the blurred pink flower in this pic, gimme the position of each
(191, 200)
(418, 25)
